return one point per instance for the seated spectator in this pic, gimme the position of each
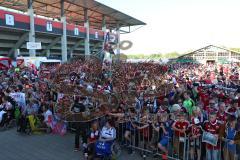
(93, 136)
(108, 132)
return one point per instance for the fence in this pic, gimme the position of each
(148, 140)
(145, 139)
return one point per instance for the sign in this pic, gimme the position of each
(9, 19)
(49, 26)
(19, 97)
(76, 31)
(209, 138)
(34, 45)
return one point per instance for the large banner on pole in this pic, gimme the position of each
(19, 97)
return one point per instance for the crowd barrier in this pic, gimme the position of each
(145, 141)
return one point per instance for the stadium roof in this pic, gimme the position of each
(192, 52)
(74, 11)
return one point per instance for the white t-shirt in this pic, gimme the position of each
(108, 132)
(1, 115)
(46, 115)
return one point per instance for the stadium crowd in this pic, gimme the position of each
(181, 110)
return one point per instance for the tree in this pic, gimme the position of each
(235, 49)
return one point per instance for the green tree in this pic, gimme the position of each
(235, 49)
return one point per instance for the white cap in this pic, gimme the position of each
(25, 76)
(175, 107)
(196, 121)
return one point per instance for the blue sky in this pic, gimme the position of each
(181, 25)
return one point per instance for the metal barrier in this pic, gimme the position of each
(229, 150)
(142, 137)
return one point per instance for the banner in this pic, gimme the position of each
(34, 45)
(218, 87)
(209, 138)
(19, 97)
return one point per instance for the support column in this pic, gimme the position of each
(16, 53)
(32, 52)
(104, 29)
(86, 40)
(118, 42)
(118, 39)
(48, 53)
(64, 34)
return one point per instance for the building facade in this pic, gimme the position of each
(212, 54)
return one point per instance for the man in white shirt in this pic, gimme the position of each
(48, 117)
(108, 132)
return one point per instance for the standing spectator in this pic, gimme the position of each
(194, 134)
(231, 138)
(212, 126)
(78, 108)
(188, 103)
(180, 127)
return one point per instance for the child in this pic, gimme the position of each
(195, 132)
(92, 138)
(180, 127)
(164, 127)
(212, 126)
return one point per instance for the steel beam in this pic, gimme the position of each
(53, 43)
(76, 45)
(19, 43)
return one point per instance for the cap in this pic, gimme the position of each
(196, 121)
(25, 76)
(175, 107)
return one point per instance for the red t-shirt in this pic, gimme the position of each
(208, 81)
(160, 99)
(93, 137)
(232, 110)
(204, 99)
(181, 125)
(195, 130)
(213, 128)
